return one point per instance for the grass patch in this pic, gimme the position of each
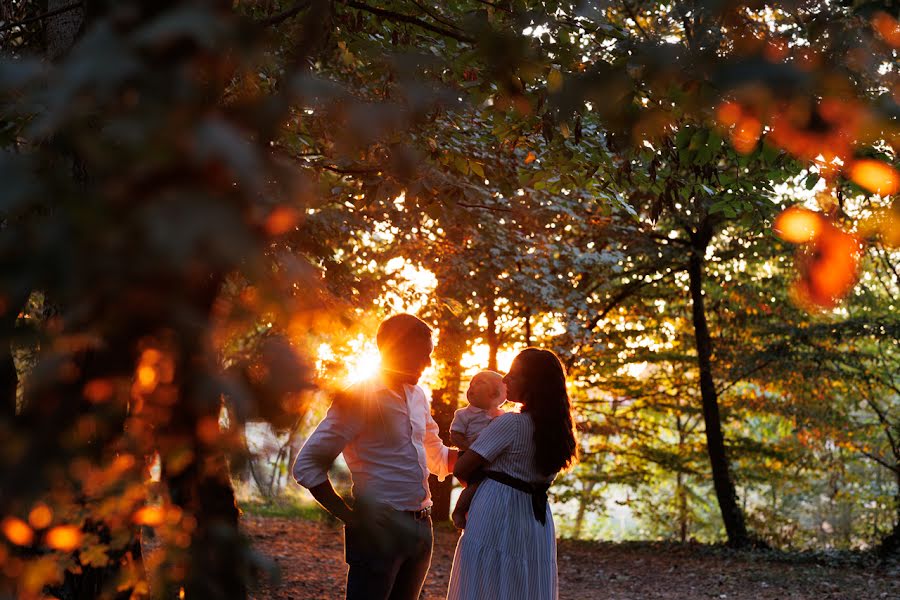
(286, 509)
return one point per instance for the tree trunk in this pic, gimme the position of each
(732, 516)
(493, 340)
(527, 327)
(444, 403)
(61, 30)
(50, 415)
(9, 383)
(583, 497)
(9, 377)
(218, 566)
(890, 546)
(441, 491)
(680, 487)
(256, 476)
(681, 495)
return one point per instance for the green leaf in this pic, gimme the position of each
(811, 180)
(682, 138)
(698, 140)
(554, 81)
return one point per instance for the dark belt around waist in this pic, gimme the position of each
(537, 491)
(419, 515)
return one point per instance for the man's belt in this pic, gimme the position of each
(419, 515)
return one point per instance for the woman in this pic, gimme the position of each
(508, 548)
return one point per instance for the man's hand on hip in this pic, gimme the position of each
(326, 496)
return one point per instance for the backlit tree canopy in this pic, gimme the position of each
(693, 203)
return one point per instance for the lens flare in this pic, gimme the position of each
(798, 225)
(40, 516)
(64, 537)
(282, 220)
(829, 268)
(729, 113)
(875, 176)
(98, 390)
(17, 531)
(152, 516)
(887, 27)
(745, 135)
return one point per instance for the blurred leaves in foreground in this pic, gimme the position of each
(203, 193)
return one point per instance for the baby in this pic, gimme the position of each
(485, 395)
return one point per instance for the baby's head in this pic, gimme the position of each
(486, 390)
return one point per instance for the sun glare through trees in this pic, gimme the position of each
(207, 209)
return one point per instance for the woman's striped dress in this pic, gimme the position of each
(504, 553)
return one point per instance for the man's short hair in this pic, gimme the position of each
(397, 329)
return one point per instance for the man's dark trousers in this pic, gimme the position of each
(390, 562)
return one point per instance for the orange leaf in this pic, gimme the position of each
(729, 113)
(888, 28)
(830, 268)
(875, 176)
(98, 390)
(152, 516)
(282, 220)
(17, 531)
(40, 516)
(746, 134)
(64, 537)
(798, 225)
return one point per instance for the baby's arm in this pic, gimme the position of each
(458, 430)
(459, 440)
(462, 505)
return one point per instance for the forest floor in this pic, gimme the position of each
(309, 555)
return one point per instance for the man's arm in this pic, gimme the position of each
(441, 459)
(326, 496)
(318, 454)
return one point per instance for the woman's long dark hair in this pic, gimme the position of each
(546, 400)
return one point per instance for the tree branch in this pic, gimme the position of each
(285, 14)
(883, 256)
(881, 461)
(762, 365)
(41, 17)
(886, 424)
(394, 16)
(630, 10)
(436, 16)
(495, 6)
(484, 206)
(627, 291)
(346, 171)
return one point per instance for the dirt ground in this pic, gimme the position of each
(310, 557)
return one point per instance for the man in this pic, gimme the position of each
(390, 441)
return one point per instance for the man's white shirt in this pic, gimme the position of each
(390, 443)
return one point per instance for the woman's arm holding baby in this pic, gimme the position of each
(459, 440)
(467, 465)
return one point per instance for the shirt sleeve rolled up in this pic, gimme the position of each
(437, 453)
(335, 431)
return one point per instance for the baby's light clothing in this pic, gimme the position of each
(471, 420)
